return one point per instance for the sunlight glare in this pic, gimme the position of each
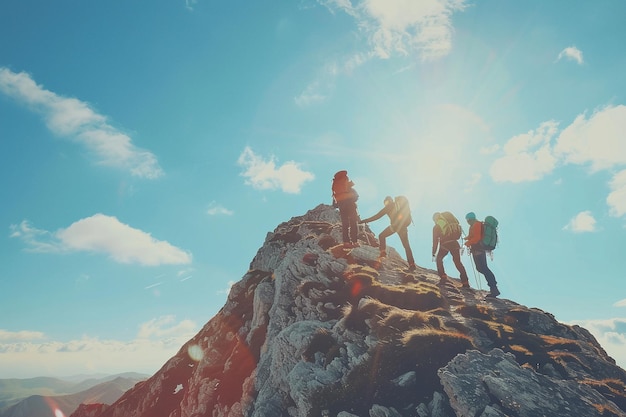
(195, 352)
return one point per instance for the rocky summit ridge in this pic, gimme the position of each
(313, 329)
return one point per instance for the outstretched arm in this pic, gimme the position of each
(376, 216)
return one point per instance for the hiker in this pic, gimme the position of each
(474, 241)
(344, 198)
(400, 215)
(446, 235)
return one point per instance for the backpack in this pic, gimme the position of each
(450, 227)
(489, 238)
(342, 187)
(402, 217)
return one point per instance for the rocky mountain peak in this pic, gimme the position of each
(313, 329)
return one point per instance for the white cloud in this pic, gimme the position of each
(617, 197)
(582, 222)
(74, 119)
(490, 150)
(527, 157)
(156, 342)
(21, 335)
(390, 28)
(403, 27)
(598, 140)
(216, 210)
(265, 175)
(620, 303)
(312, 94)
(103, 234)
(158, 328)
(611, 334)
(572, 53)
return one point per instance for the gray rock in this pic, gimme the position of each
(380, 411)
(475, 381)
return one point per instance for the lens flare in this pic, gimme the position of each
(195, 352)
(357, 286)
(54, 407)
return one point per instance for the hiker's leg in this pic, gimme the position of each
(383, 236)
(345, 225)
(480, 259)
(456, 258)
(439, 261)
(404, 238)
(490, 277)
(354, 227)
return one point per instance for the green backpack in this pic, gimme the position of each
(450, 227)
(489, 233)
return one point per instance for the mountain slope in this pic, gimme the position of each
(313, 329)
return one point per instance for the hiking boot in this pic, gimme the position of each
(443, 279)
(383, 254)
(493, 293)
(465, 284)
(411, 268)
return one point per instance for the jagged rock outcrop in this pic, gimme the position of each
(495, 384)
(313, 329)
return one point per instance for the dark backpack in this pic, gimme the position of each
(489, 238)
(450, 227)
(402, 216)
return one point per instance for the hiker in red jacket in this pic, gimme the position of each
(446, 235)
(344, 198)
(400, 215)
(473, 241)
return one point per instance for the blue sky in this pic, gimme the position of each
(147, 149)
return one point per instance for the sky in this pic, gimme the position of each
(146, 150)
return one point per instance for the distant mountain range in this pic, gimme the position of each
(43, 396)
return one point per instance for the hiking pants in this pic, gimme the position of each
(403, 234)
(480, 258)
(454, 248)
(349, 220)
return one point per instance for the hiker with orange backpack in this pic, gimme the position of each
(345, 198)
(474, 241)
(446, 235)
(399, 213)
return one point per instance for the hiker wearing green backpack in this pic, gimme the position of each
(474, 240)
(446, 235)
(399, 213)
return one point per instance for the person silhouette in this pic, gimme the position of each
(399, 213)
(345, 198)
